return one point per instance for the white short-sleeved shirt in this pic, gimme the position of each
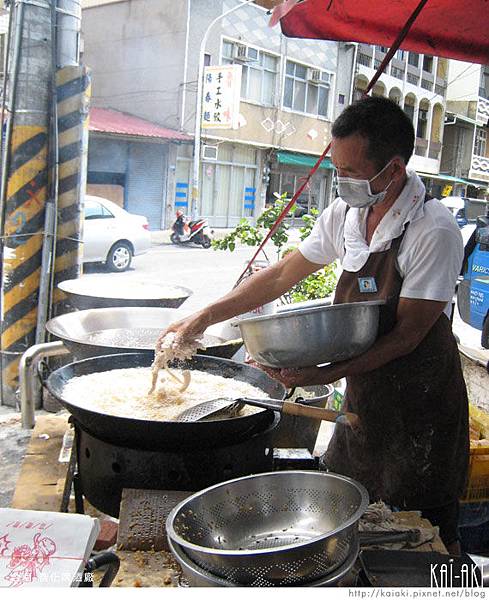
(431, 253)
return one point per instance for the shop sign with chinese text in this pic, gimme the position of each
(221, 94)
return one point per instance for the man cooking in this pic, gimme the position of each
(397, 244)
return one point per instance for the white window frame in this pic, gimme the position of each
(429, 57)
(480, 145)
(3, 48)
(329, 85)
(414, 54)
(226, 60)
(401, 55)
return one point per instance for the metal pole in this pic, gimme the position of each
(24, 185)
(10, 87)
(30, 397)
(198, 110)
(45, 292)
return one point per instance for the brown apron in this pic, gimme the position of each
(412, 447)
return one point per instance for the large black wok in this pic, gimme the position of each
(166, 435)
(103, 331)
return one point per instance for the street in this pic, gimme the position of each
(208, 273)
(212, 273)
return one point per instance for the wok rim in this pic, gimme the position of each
(127, 420)
(288, 314)
(173, 535)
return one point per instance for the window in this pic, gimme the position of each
(259, 75)
(2, 51)
(94, 210)
(422, 123)
(484, 85)
(428, 64)
(306, 90)
(383, 49)
(413, 59)
(400, 55)
(480, 142)
(207, 60)
(409, 110)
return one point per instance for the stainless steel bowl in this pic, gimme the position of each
(311, 336)
(280, 528)
(99, 292)
(197, 577)
(102, 331)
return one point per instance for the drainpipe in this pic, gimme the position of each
(30, 397)
(185, 66)
(353, 71)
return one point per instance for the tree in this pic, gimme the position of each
(318, 285)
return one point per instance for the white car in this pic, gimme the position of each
(112, 235)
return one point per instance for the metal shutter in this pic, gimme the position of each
(146, 182)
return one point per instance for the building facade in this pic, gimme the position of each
(146, 64)
(466, 151)
(418, 83)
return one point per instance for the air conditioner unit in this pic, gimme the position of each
(244, 53)
(209, 152)
(314, 75)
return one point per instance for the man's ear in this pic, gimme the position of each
(398, 168)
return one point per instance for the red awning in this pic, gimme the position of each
(105, 120)
(456, 29)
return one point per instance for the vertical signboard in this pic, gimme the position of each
(220, 98)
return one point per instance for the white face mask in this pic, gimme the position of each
(357, 192)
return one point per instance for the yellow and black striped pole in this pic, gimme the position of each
(23, 239)
(24, 184)
(73, 94)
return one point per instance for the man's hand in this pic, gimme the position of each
(291, 377)
(188, 329)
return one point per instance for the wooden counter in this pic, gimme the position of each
(40, 487)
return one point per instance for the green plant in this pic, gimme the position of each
(318, 285)
(252, 235)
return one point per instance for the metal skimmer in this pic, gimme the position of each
(211, 408)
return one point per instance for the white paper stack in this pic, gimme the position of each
(44, 549)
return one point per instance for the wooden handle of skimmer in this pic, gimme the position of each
(313, 412)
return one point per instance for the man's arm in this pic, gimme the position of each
(262, 287)
(415, 318)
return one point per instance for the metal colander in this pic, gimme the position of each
(281, 528)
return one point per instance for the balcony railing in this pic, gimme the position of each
(440, 89)
(420, 146)
(434, 150)
(365, 60)
(398, 73)
(483, 110)
(427, 85)
(480, 164)
(412, 79)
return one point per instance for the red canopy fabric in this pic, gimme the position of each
(456, 29)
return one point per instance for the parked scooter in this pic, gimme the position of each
(196, 232)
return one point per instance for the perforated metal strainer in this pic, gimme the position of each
(281, 528)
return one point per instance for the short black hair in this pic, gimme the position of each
(387, 128)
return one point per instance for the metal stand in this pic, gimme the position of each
(72, 480)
